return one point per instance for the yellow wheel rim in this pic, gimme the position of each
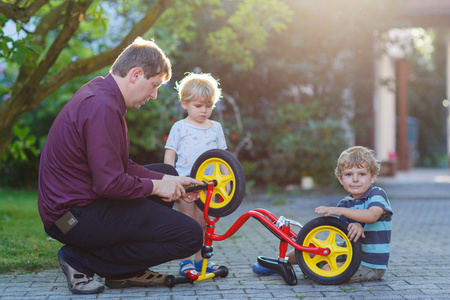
(219, 170)
(337, 242)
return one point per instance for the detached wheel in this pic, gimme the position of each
(344, 258)
(224, 168)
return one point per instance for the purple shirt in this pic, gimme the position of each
(86, 155)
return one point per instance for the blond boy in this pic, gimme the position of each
(192, 136)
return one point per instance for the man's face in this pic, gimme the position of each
(142, 89)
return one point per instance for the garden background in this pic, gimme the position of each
(291, 71)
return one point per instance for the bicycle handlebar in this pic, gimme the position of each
(202, 187)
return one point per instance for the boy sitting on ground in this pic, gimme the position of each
(366, 209)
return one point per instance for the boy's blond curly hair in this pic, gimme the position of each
(359, 157)
(199, 85)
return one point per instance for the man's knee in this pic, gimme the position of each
(193, 236)
(163, 168)
(170, 170)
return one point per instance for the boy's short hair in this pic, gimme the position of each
(196, 85)
(146, 55)
(358, 156)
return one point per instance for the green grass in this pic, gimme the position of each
(278, 202)
(24, 245)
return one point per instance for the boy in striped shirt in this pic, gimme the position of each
(366, 209)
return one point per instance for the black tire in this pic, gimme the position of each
(170, 281)
(344, 258)
(230, 178)
(222, 272)
(290, 277)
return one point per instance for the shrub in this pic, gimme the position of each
(296, 140)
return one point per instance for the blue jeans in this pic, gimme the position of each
(117, 238)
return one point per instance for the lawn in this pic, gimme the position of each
(24, 246)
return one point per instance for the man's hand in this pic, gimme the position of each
(172, 188)
(184, 181)
(187, 182)
(191, 197)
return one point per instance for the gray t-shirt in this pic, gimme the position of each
(189, 142)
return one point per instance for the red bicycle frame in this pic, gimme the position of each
(286, 235)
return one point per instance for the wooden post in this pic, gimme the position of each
(448, 98)
(402, 109)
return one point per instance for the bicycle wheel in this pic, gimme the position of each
(344, 258)
(224, 168)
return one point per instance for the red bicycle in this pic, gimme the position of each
(322, 241)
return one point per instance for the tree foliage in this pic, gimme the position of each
(61, 39)
(50, 33)
(318, 69)
(427, 89)
(295, 73)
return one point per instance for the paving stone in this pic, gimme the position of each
(419, 264)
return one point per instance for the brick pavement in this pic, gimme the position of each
(419, 265)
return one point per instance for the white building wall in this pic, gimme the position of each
(448, 98)
(385, 107)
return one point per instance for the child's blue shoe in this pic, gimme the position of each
(185, 266)
(260, 270)
(209, 267)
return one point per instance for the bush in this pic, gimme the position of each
(288, 141)
(20, 163)
(296, 140)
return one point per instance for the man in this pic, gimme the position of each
(114, 216)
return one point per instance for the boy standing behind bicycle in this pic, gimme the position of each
(366, 209)
(189, 138)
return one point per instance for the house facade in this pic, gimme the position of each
(391, 136)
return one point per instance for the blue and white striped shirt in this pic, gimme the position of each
(376, 244)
